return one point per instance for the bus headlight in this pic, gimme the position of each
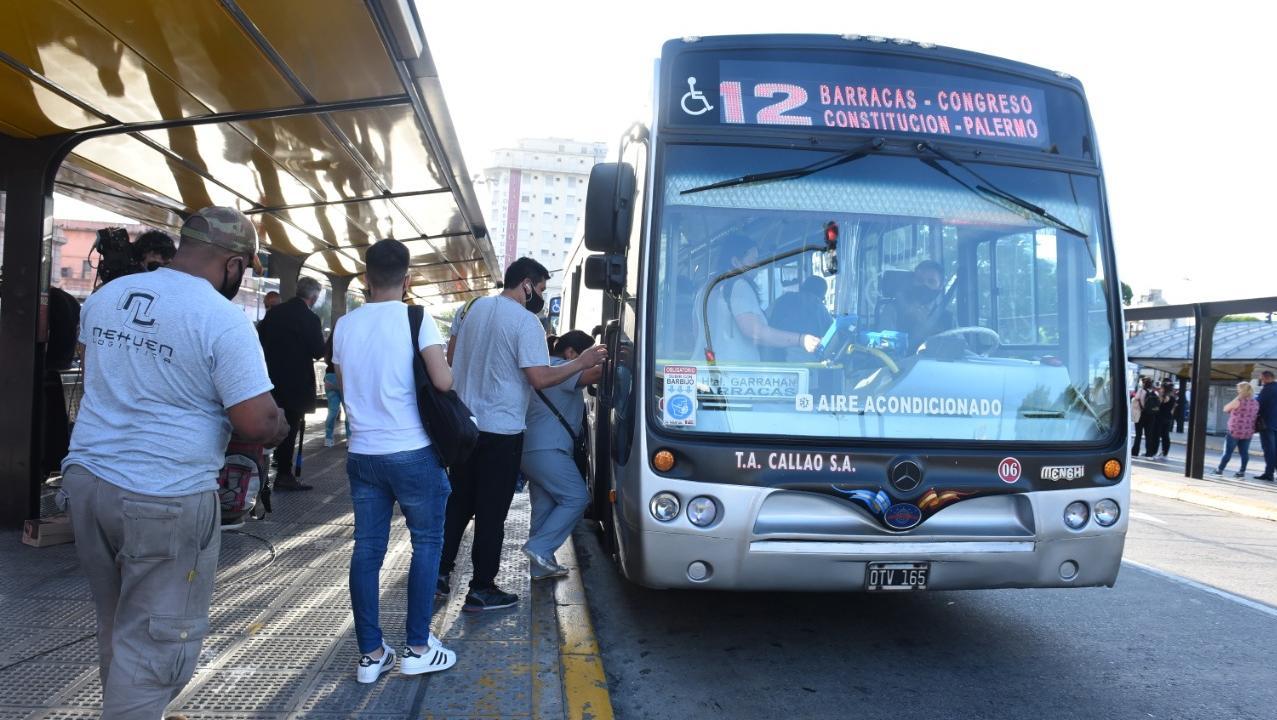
(1107, 512)
(664, 506)
(1076, 515)
(702, 511)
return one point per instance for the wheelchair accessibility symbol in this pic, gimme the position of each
(694, 95)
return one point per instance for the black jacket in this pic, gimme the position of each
(292, 339)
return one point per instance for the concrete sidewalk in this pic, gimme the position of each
(1252, 498)
(281, 643)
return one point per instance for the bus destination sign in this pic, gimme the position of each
(858, 98)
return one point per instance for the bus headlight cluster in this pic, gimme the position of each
(1106, 512)
(702, 511)
(664, 506)
(1076, 515)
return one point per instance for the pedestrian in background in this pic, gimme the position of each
(392, 460)
(1267, 423)
(332, 393)
(557, 490)
(1242, 411)
(1140, 414)
(500, 356)
(293, 340)
(1166, 417)
(140, 481)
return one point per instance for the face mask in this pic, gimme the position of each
(533, 301)
(228, 289)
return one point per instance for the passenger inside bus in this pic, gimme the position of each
(737, 325)
(919, 308)
(801, 311)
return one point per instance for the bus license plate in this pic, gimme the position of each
(882, 576)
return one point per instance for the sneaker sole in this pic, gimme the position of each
(384, 669)
(424, 670)
(551, 576)
(485, 608)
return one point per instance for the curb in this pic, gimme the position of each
(1198, 496)
(585, 693)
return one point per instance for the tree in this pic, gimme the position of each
(1127, 294)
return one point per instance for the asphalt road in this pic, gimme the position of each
(1155, 646)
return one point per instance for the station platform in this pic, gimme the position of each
(281, 643)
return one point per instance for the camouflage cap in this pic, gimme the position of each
(226, 228)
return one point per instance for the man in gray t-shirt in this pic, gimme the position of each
(500, 354)
(171, 368)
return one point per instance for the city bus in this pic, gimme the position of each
(863, 324)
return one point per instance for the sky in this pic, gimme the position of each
(1182, 97)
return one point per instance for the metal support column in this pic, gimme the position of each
(27, 178)
(287, 268)
(1203, 347)
(341, 283)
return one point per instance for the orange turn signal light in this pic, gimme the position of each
(663, 460)
(1112, 469)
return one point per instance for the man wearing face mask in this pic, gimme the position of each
(919, 312)
(171, 369)
(500, 356)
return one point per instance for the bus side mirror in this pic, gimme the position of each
(605, 272)
(609, 207)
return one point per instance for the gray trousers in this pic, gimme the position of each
(150, 562)
(559, 498)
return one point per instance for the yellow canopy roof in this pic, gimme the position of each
(322, 119)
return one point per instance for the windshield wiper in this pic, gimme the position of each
(792, 173)
(989, 189)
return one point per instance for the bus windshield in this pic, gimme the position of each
(895, 297)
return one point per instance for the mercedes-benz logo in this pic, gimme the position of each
(906, 476)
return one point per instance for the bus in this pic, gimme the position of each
(863, 323)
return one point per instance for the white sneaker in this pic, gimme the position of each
(370, 669)
(436, 658)
(329, 442)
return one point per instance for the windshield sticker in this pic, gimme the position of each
(1009, 470)
(899, 405)
(751, 382)
(795, 461)
(678, 407)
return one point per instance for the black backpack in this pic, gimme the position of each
(452, 427)
(1152, 402)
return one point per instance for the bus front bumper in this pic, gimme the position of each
(973, 547)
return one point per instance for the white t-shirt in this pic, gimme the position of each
(373, 352)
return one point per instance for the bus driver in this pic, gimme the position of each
(737, 323)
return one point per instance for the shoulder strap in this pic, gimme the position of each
(557, 414)
(415, 316)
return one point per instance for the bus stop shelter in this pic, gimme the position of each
(326, 125)
(1234, 352)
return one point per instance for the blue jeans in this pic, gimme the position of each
(1230, 443)
(416, 479)
(334, 411)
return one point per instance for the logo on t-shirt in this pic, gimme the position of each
(137, 303)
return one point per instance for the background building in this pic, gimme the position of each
(537, 196)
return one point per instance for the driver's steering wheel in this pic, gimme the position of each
(990, 339)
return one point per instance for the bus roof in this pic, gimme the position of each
(875, 43)
(327, 126)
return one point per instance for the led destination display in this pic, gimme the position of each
(879, 100)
